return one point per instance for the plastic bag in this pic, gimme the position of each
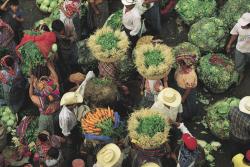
(67, 121)
(81, 88)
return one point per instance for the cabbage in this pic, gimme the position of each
(39, 1)
(217, 121)
(10, 123)
(217, 72)
(53, 4)
(46, 2)
(208, 34)
(54, 47)
(193, 10)
(232, 11)
(115, 20)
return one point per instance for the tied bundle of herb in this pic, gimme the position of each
(153, 58)
(115, 20)
(108, 41)
(151, 125)
(107, 129)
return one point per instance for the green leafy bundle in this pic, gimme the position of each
(217, 72)
(32, 131)
(209, 34)
(193, 10)
(125, 70)
(31, 57)
(153, 58)
(151, 125)
(232, 11)
(108, 41)
(186, 48)
(102, 81)
(115, 20)
(217, 116)
(107, 129)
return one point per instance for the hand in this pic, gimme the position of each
(228, 48)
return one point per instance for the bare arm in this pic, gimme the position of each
(34, 98)
(53, 72)
(230, 43)
(165, 82)
(4, 5)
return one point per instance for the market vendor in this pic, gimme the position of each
(241, 32)
(169, 102)
(240, 127)
(241, 160)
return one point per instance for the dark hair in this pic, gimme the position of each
(43, 137)
(57, 26)
(53, 153)
(40, 70)
(14, 2)
(44, 27)
(9, 61)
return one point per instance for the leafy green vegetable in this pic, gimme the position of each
(217, 72)
(30, 32)
(108, 41)
(151, 125)
(194, 10)
(31, 57)
(32, 131)
(232, 11)
(102, 81)
(186, 48)
(115, 20)
(208, 34)
(125, 70)
(163, 3)
(217, 116)
(153, 58)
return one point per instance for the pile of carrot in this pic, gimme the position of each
(91, 119)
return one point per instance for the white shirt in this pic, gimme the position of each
(132, 21)
(243, 44)
(171, 112)
(67, 121)
(143, 8)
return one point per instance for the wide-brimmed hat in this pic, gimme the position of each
(70, 98)
(109, 155)
(245, 105)
(170, 97)
(150, 164)
(128, 2)
(245, 19)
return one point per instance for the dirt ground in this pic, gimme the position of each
(173, 32)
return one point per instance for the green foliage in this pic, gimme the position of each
(186, 48)
(108, 41)
(217, 72)
(217, 116)
(31, 32)
(4, 51)
(163, 3)
(153, 58)
(193, 10)
(209, 34)
(232, 11)
(151, 125)
(115, 20)
(31, 57)
(102, 81)
(125, 69)
(32, 131)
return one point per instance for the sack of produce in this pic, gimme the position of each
(8, 118)
(108, 45)
(193, 10)
(233, 10)
(85, 58)
(100, 92)
(154, 61)
(148, 129)
(209, 34)
(115, 20)
(217, 117)
(102, 124)
(217, 72)
(48, 6)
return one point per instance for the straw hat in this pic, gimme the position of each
(128, 2)
(70, 98)
(245, 105)
(150, 164)
(245, 19)
(109, 155)
(170, 97)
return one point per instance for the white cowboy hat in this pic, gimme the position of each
(70, 98)
(245, 19)
(109, 155)
(128, 2)
(245, 105)
(150, 164)
(170, 97)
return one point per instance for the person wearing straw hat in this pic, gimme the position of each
(241, 31)
(109, 156)
(169, 102)
(150, 164)
(239, 118)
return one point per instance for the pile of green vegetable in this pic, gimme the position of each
(153, 58)
(217, 72)
(31, 57)
(217, 116)
(107, 128)
(193, 10)
(8, 118)
(209, 34)
(115, 20)
(186, 48)
(151, 125)
(32, 131)
(107, 41)
(232, 11)
(48, 6)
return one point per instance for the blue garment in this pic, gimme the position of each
(187, 157)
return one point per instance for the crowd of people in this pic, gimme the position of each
(56, 89)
